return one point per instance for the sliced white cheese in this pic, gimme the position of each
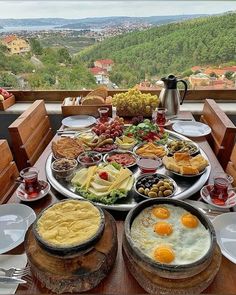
(98, 187)
(80, 177)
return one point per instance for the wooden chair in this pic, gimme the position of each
(222, 137)
(8, 172)
(30, 134)
(231, 167)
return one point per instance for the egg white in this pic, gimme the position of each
(188, 244)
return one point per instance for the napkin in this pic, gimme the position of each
(8, 261)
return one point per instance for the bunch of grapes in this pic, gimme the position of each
(111, 129)
(135, 103)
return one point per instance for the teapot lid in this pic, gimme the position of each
(170, 82)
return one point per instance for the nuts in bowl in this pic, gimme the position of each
(155, 186)
(63, 168)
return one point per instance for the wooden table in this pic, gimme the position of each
(120, 281)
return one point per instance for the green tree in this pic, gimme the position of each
(213, 74)
(229, 75)
(8, 80)
(36, 47)
(64, 55)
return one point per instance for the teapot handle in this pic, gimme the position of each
(185, 90)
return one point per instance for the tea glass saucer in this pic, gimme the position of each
(23, 196)
(167, 123)
(231, 201)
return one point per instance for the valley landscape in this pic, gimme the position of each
(63, 52)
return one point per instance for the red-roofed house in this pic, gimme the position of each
(196, 68)
(101, 75)
(220, 71)
(15, 44)
(105, 64)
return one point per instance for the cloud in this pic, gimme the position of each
(97, 8)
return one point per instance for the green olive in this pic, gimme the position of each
(146, 191)
(162, 188)
(167, 193)
(141, 190)
(152, 194)
(160, 194)
(166, 185)
(160, 183)
(154, 189)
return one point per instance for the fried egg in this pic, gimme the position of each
(170, 234)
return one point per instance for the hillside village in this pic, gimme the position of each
(198, 77)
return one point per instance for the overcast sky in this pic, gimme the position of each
(82, 9)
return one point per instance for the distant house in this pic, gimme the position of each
(220, 71)
(196, 68)
(101, 75)
(15, 44)
(199, 80)
(105, 64)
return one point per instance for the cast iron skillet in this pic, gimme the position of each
(70, 250)
(165, 270)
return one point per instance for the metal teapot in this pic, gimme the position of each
(170, 97)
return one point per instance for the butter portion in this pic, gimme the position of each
(69, 223)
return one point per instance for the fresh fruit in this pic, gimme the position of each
(1, 97)
(134, 103)
(103, 175)
(4, 93)
(111, 129)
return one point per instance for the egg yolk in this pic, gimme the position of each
(163, 228)
(189, 220)
(164, 254)
(161, 212)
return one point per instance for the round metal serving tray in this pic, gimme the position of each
(186, 186)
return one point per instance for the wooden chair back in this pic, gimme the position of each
(8, 172)
(222, 137)
(30, 134)
(231, 167)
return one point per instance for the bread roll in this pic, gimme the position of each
(92, 100)
(100, 91)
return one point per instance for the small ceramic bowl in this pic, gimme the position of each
(89, 158)
(146, 181)
(64, 168)
(147, 165)
(120, 152)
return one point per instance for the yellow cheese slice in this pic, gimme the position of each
(91, 171)
(124, 173)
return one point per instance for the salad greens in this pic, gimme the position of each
(147, 131)
(107, 199)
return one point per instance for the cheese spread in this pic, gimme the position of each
(69, 223)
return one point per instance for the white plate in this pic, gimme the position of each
(225, 227)
(14, 222)
(80, 121)
(192, 129)
(231, 202)
(23, 196)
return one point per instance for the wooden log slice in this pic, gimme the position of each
(78, 273)
(154, 284)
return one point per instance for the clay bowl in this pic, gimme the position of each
(167, 270)
(70, 251)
